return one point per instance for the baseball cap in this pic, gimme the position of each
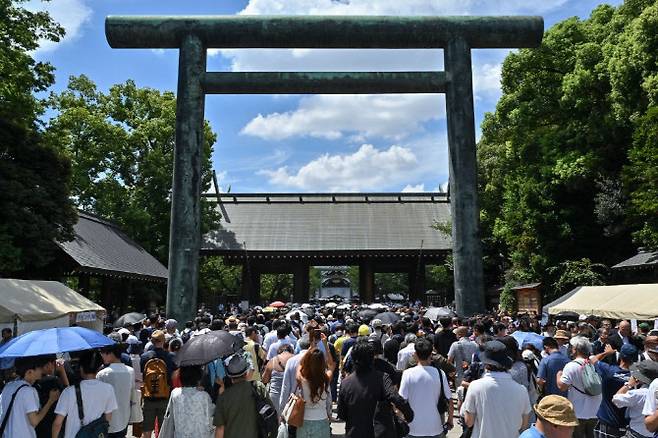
(628, 351)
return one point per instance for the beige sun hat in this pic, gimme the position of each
(556, 410)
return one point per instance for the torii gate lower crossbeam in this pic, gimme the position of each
(193, 35)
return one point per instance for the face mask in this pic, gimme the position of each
(339, 333)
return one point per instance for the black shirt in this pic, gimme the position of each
(363, 418)
(43, 387)
(443, 340)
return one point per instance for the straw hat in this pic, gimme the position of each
(562, 334)
(556, 410)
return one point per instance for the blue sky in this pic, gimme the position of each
(315, 143)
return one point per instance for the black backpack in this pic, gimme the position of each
(268, 419)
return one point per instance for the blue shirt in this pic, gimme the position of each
(612, 378)
(532, 433)
(548, 368)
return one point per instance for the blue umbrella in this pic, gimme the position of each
(54, 340)
(524, 338)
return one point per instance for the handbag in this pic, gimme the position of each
(293, 411)
(136, 413)
(167, 428)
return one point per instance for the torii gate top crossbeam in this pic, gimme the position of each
(338, 32)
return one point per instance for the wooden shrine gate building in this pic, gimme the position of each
(289, 233)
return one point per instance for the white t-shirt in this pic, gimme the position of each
(27, 400)
(122, 379)
(420, 386)
(634, 401)
(404, 355)
(498, 403)
(585, 406)
(650, 402)
(97, 399)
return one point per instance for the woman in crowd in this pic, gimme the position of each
(366, 396)
(315, 376)
(190, 409)
(97, 398)
(273, 374)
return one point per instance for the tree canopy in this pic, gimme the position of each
(35, 178)
(567, 161)
(121, 146)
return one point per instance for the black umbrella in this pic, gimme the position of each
(387, 317)
(129, 318)
(567, 316)
(205, 348)
(367, 315)
(309, 311)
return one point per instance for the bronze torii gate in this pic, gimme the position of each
(192, 35)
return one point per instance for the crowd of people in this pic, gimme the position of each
(489, 376)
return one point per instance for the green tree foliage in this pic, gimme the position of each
(508, 299)
(276, 287)
(35, 209)
(641, 176)
(217, 278)
(121, 144)
(570, 143)
(573, 273)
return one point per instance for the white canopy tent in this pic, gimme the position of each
(27, 305)
(623, 301)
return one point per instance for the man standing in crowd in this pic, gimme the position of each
(461, 353)
(571, 379)
(235, 412)
(25, 413)
(421, 386)
(612, 420)
(550, 365)
(157, 367)
(625, 336)
(255, 351)
(53, 377)
(282, 333)
(495, 405)
(555, 419)
(445, 337)
(562, 337)
(122, 380)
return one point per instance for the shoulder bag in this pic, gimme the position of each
(167, 429)
(8, 413)
(293, 411)
(99, 428)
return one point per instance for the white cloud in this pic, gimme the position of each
(368, 168)
(72, 15)
(332, 59)
(486, 77)
(333, 116)
(406, 7)
(413, 189)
